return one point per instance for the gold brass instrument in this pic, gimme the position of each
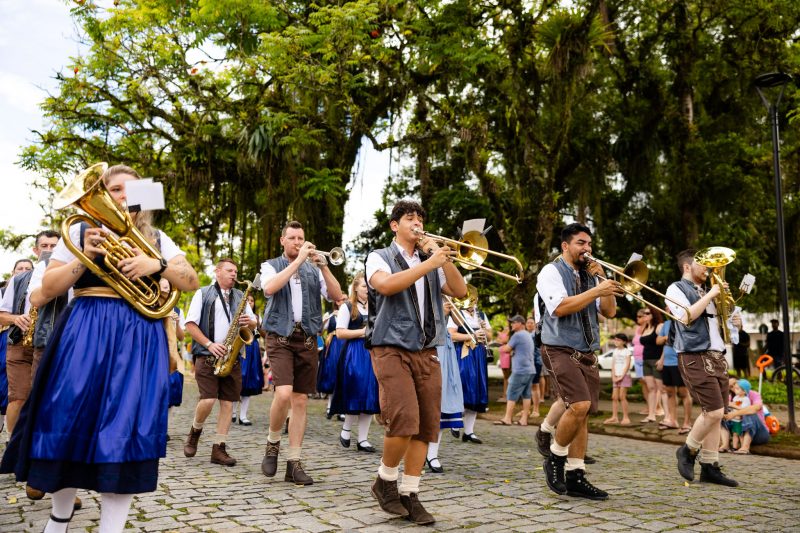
(634, 279)
(237, 336)
(88, 193)
(715, 258)
(461, 320)
(27, 339)
(472, 250)
(335, 256)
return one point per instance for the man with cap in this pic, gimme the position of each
(522, 372)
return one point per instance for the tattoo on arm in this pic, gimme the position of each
(78, 269)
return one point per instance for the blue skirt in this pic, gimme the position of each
(252, 370)
(326, 375)
(175, 389)
(96, 418)
(3, 375)
(474, 378)
(356, 386)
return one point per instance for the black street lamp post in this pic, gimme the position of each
(764, 81)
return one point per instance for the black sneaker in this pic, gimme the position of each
(416, 512)
(686, 459)
(579, 486)
(712, 473)
(554, 473)
(543, 442)
(388, 497)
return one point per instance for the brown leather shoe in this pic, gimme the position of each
(77, 505)
(388, 497)
(219, 455)
(416, 512)
(33, 494)
(190, 446)
(295, 473)
(269, 465)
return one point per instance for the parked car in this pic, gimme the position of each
(606, 360)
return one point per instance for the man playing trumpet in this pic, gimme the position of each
(293, 319)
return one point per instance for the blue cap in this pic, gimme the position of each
(745, 385)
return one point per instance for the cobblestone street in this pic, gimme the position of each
(497, 486)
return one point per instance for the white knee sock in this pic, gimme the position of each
(363, 427)
(245, 405)
(433, 447)
(408, 485)
(347, 425)
(62, 507)
(114, 510)
(330, 399)
(469, 421)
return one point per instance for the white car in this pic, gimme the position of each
(606, 360)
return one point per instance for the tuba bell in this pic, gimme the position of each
(715, 259)
(88, 193)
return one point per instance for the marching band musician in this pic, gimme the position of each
(175, 376)
(20, 266)
(701, 361)
(406, 323)
(211, 312)
(573, 295)
(356, 391)
(97, 415)
(474, 367)
(452, 409)
(293, 319)
(15, 311)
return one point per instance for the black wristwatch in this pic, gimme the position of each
(163, 265)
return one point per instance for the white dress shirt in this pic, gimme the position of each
(221, 321)
(375, 263)
(268, 272)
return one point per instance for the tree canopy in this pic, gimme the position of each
(637, 117)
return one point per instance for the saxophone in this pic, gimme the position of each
(237, 336)
(27, 339)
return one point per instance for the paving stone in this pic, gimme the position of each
(489, 488)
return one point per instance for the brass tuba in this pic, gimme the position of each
(715, 258)
(237, 336)
(88, 193)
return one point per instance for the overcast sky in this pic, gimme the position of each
(36, 41)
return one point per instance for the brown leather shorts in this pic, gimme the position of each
(20, 368)
(410, 391)
(294, 361)
(574, 375)
(226, 389)
(706, 376)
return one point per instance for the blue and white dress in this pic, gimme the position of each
(473, 367)
(96, 418)
(252, 370)
(452, 392)
(356, 386)
(328, 366)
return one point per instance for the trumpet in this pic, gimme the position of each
(335, 256)
(472, 250)
(634, 279)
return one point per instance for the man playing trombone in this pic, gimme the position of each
(406, 323)
(574, 290)
(293, 319)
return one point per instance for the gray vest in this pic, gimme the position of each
(395, 320)
(695, 337)
(567, 330)
(206, 324)
(21, 282)
(278, 315)
(48, 314)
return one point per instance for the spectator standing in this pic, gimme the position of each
(522, 371)
(620, 379)
(775, 344)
